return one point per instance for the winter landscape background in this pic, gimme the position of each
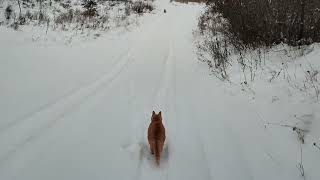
(80, 79)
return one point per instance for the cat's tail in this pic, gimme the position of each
(157, 150)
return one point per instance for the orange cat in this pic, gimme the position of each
(156, 135)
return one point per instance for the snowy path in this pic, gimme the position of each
(98, 130)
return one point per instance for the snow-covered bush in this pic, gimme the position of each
(72, 15)
(140, 7)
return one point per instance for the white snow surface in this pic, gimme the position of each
(81, 111)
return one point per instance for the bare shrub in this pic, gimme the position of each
(312, 82)
(127, 9)
(214, 52)
(65, 17)
(90, 7)
(140, 7)
(214, 48)
(15, 26)
(66, 5)
(308, 83)
(22, 20)
(43, 18)
(79, 20)
(249, 28)
(68, 16)
(8, 12)
(264, 22)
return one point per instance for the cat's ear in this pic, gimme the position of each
(159, 113)
(153, 113)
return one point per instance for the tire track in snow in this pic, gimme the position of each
(160, 101)
(26, 133)
(139, 133)
(194, 148)
(200, 144)
(171, 101)
(145, 159)
(60, 99)
(164, 99)
(223, 149)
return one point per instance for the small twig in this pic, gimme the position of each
(275, 74)
(300, 164)
(298, 118)
(278, 124)
(316, 145)
(300, 132)
(48, 22)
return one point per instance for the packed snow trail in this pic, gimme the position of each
(99, 129)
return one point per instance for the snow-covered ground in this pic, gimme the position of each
(81, 111)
